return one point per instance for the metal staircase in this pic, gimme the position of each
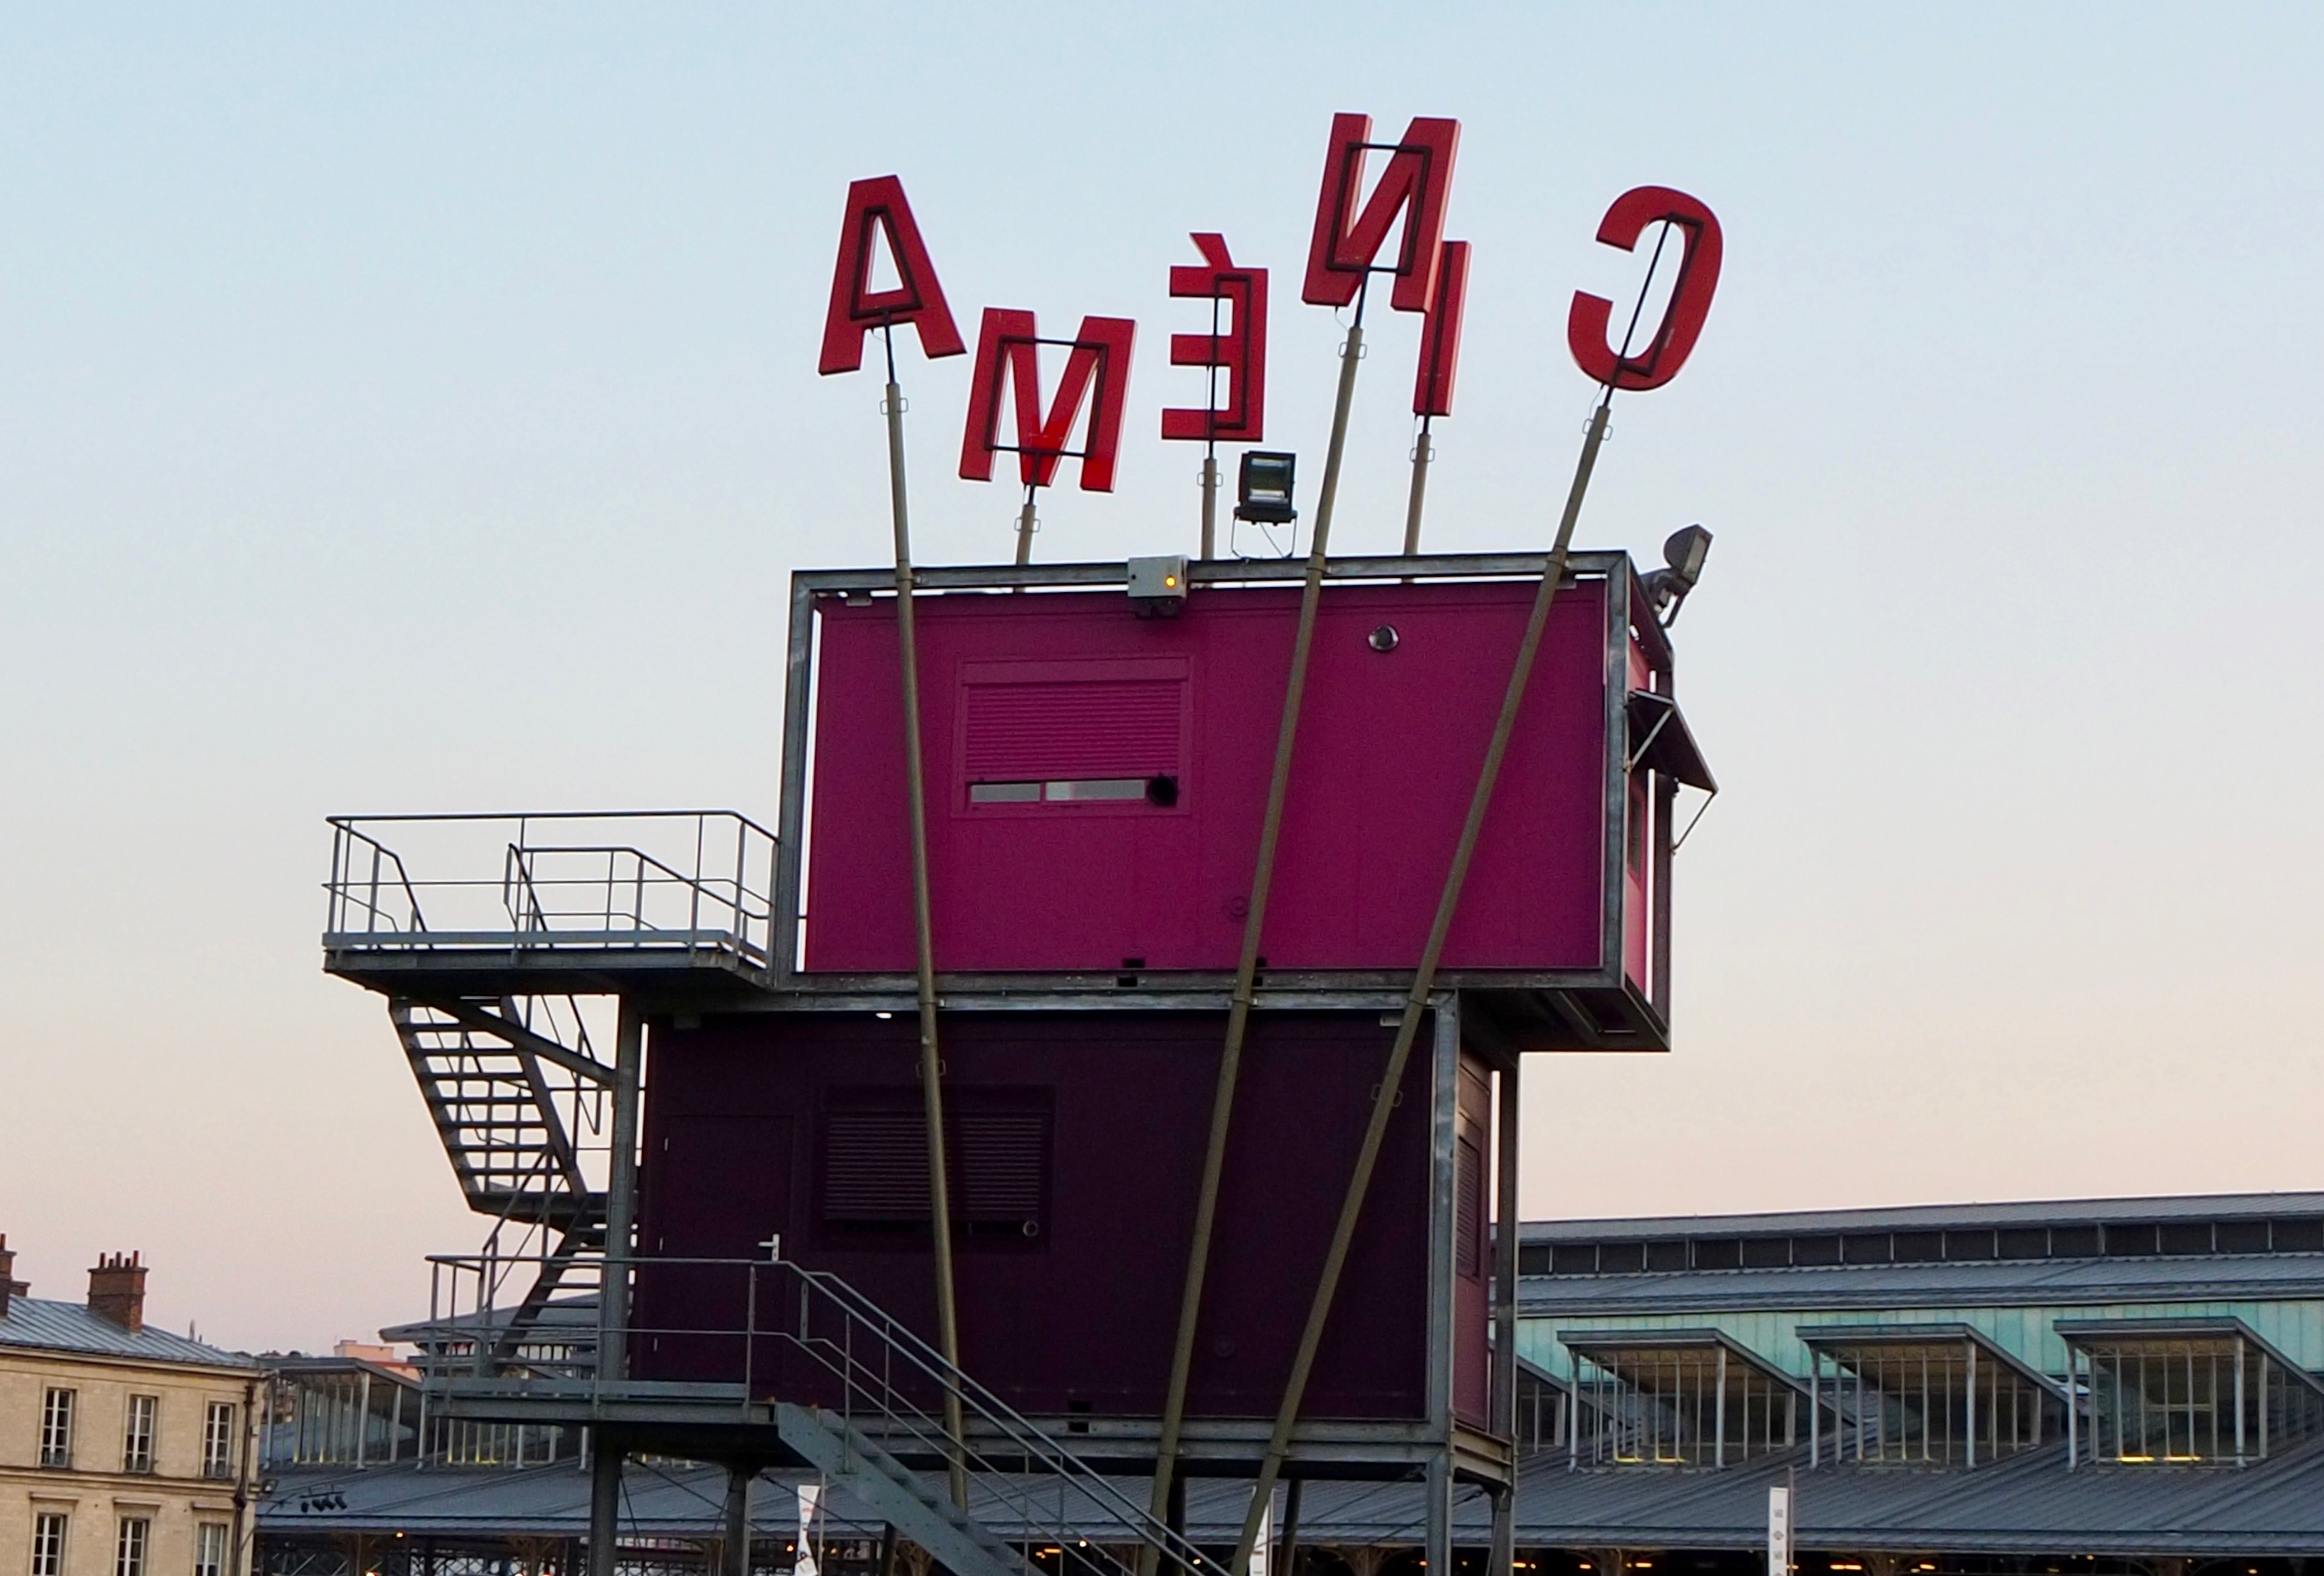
(855, 1463)
(893, 1391)
(822, 1376)
(518, 1096)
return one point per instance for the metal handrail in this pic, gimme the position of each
(342, 886)
(877, 1360)
(632, 890)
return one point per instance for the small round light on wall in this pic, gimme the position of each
(1382, 639)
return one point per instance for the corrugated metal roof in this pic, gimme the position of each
(1993, 1282)
(2029, 1504)
(1933, 1217)
(57, 1326)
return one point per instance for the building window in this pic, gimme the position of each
(209, 1549)
(2185, 1394)
(137, 1433)
(48, 1544)
(129, 1548)
(217, 1439)
(1931, 1395)
(1686, 1398)
(57, 1428)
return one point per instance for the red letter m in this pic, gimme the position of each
(1419, 174)
(1098, 369)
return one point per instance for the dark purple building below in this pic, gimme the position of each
(1076, 1148)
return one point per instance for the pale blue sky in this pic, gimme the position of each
(415, 408)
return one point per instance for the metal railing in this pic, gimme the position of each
(526, 1314)
(860, 1366)
(690, 881)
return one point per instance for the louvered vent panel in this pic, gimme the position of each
(1076, 730)
(875, 1167)
(1002, 1164)
(1469, 1210)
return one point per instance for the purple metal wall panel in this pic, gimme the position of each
(1026, 690)
(737, 1125)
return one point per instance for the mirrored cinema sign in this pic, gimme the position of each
(1010, 412)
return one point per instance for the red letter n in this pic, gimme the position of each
(1098, 370)
(1440, 337)
(1419, 174)
(917, 299)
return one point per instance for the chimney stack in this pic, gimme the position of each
(9, 1286)
(116, 1291)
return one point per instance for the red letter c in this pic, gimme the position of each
(1698, 276)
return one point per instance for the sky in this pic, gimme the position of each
(415, 409)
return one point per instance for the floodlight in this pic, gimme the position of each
(1263, 488)
(1684, 551)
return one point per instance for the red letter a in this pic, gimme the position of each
(917, 299)
(1007, 346)
(1418, 175)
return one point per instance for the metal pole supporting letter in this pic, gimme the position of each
(923, 928)
(1210, 506)
(1424, 982)
(1206, 1202)
(1422, 453)
(1025, 524)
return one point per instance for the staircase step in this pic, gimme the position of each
(847, 1457)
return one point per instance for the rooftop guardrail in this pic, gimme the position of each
(696, 883)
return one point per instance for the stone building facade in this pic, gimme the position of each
(125, 1450)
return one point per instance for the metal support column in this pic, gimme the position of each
(1444, 1213)
(738, 1518)
(605, 1501)
(1504, 1312)
(1286, 1550)
(621, 1196)
(1437, 1547)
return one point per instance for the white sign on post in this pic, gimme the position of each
(1779, 1530)
(1262, 1552)
(803, 1563)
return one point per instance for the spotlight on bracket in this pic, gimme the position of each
(1684, 552)
(1263, 488)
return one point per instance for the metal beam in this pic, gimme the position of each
(470, 1016)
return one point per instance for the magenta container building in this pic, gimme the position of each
(1097, 769)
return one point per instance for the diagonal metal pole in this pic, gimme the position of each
(924, 932)
(1415, 1006)
(1206, 1200)
(1424, 979)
